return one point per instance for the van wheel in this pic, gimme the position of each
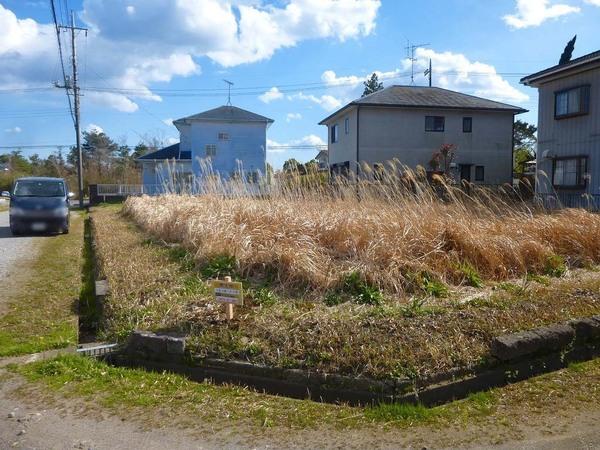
(65, 231)
(15, 232)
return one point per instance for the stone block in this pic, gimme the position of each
(540, 340)
(587, 329)
(144, 344)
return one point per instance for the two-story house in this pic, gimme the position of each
(227, 141)
(568, 155)
(410, 123)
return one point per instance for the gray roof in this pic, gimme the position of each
(170, 152)
(581, 61)
(227, 114)
(427, 97)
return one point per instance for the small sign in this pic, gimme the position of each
(228, 292)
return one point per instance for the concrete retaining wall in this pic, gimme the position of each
(516, 357)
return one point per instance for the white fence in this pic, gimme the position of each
(123, 190)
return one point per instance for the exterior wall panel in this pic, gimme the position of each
(572, 136)
(395, 133)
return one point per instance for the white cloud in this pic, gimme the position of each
(311, 139)
(292, 116)
(270, 95)
(132, 50)
(327, 102)
(330, 78)
(13, 130)
(532, 13)
(168, 121)
(93, 128)
(452, 71)
(456, 72)
(172, 140)
(593, 2)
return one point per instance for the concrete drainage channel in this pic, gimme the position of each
(516, 357)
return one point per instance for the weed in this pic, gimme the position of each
(555, 266)
(538, 279)
(334, 298)
(360, 291)
(263, 296)
(433, 287)
(219, 266)
(470, 275)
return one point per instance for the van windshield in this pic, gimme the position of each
(39, 188)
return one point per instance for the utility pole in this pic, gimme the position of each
(428, 72)
(410, 54)
(72, 84)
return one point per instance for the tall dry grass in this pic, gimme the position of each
(391, 228)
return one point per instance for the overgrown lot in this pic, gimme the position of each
(383, 289)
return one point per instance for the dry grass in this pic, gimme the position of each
(390, 235)
(298, 247)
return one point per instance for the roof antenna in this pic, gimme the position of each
(229, 84)
(410, 54)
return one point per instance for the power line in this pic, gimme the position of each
(60, 54)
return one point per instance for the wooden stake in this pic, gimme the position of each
(229, 306)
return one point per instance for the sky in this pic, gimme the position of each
(143, 63)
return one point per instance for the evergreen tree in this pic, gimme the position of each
(372, 85)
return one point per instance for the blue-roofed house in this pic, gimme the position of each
(230, 140)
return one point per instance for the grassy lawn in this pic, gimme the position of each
(160, 286)
(42, 306)
(151, 397)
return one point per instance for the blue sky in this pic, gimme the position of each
(144, 62)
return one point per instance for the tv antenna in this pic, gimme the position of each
(410, 54)
(229, 84)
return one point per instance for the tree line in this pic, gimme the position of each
(104, 161)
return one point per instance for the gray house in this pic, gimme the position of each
(568, 156)
(410, 123)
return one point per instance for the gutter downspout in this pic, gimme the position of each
(512, 156)
(357, 138)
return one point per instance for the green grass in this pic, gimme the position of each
(42, 306)
(121, 389)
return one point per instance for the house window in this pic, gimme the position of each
(572, 102)
(347, 125)
(210, 150)
(569, 172)
(479, 173)
(467, 124)
(223, 136)
(434, 123)
(334, 134)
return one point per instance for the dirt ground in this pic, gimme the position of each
(31, 418)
